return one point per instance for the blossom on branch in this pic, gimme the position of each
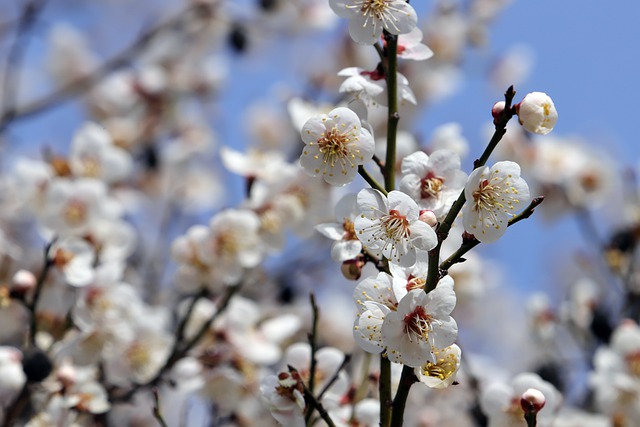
(390, 226)
(336, 144)
(493, 195)
(434, 181)
(369, 17)
(421, 324)
(537, 113)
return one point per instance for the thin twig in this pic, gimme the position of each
(384, 390)
(393, 117)
(372, 182)
(33, 305)
(11, 77)
(407, 379)
(156, 408)
(345, 362)
(434, 274)
(470, 243)
(314, 402)
(313, 343)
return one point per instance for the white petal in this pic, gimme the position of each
(365, 29)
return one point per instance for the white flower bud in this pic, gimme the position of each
(428, 217)
(536, 113)
(23, 281)
(497, 110)
(532, 400)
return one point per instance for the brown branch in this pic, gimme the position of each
(469, 243)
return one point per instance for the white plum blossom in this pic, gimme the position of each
(370, 86)
(442, 372)
(434, 181)
(73, 207)
(283, 396)
(12, 376)
(369, 17)
(493, 196)
(74, 257)
(94, 155)
(336, 144)
(346, 245)
(537, 113)
(410, 46)
(421, 324)
(375, 298)
(389, 226)
(231, 244)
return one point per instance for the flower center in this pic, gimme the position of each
(333, 147)
(443, 368)
(415, 283)
(395, 226)
(91, 166)
(62, 257)
(417, 324)
(226, 245)
(485, 197)
(633, 363)
(287, 383)
(75, 213)
(376, 8)
(430, 186)
(349, 230)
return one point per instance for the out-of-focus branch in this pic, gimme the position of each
(79, 86)
(13, 65)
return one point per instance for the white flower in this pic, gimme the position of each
(94, 155)
(232, 244)
(336, 144)
(74, 257)
(421, 323)
(434, 181)
(442, 372)
(346, 245)
(493, 195)
(283, 396)
(389, 226)
(375, 298)
(370, 86)
(12, 377)
(410, 46)
(72, 207)
(537, 113)
(369, 17)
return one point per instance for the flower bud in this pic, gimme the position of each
(497, 110)
(536, 113)
(532, 401)
(428, 217)
(352, 269)
(23, 281)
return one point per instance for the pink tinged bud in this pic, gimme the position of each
(532, 401)
(428, 217)
(497, 110)
(67, 374)
(23, 281)
(352, 269)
